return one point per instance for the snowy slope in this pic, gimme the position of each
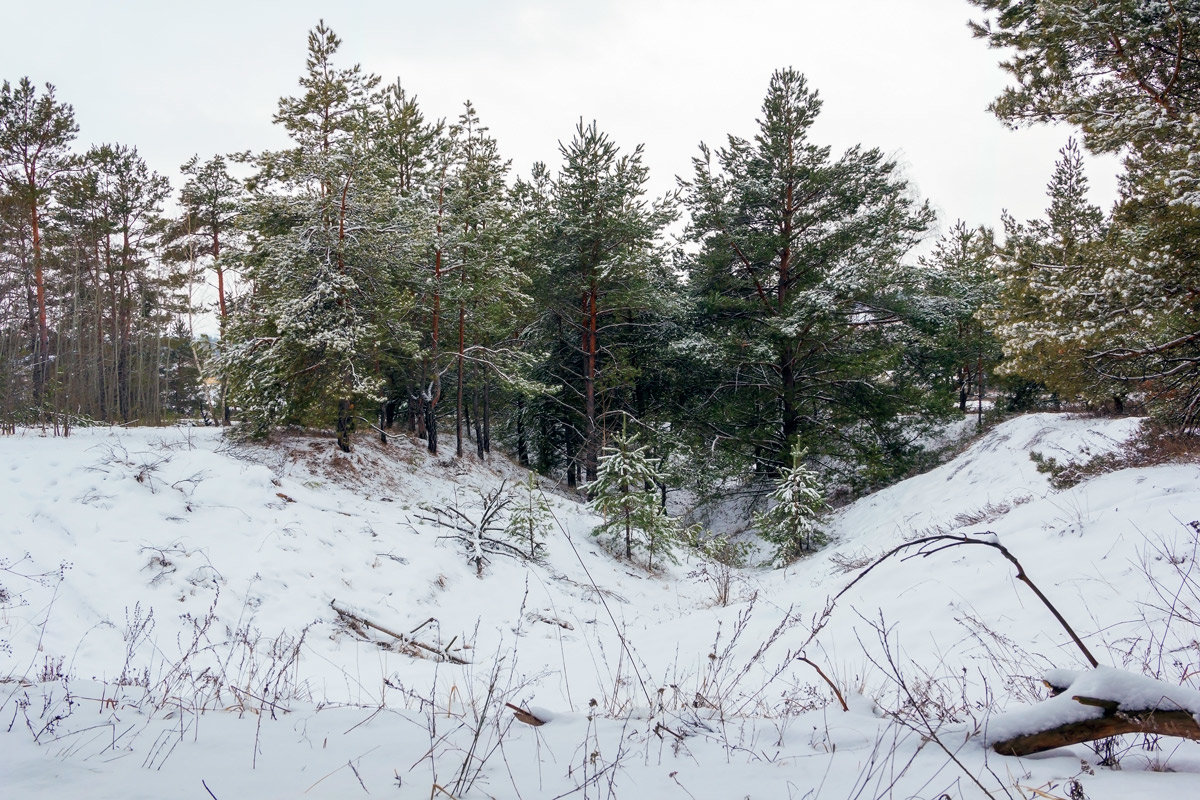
(169, 596)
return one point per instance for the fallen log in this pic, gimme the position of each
(354, 616)
(1162, 723)
(1096, 704)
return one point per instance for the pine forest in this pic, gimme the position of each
(770, 398)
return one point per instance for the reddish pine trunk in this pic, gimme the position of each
(435, 386)
(589, 383)
(487, 415)
(787, 353)
(42, 362)
(458, 415)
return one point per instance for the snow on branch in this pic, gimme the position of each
(1095, 704)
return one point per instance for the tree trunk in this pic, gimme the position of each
(628, 539)
(522, 445)
(787, 366)
(41, 361)
(791, 415)
(590, 457)
(431, 432)
(1113, 723)
(416, 416)
(487, 415)
(345, 424)
(478, 424)
(458, 409)
(390, 407)
(223, 310)
(979, 388)
(101, 392)
(435, 323)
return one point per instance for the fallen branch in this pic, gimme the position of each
(1149, 721)
(442, 654)
(832, 685)
(474, 533)
(1096, 704)
(929, 545)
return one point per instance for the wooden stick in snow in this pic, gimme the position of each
(441, 654)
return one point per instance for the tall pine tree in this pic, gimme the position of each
(795, 287)
(36, 131)
(601, 244)
(300, 343)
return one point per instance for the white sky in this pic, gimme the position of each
(204, 77)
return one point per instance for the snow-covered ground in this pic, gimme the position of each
(167, 629)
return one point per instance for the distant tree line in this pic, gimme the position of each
(388, 273)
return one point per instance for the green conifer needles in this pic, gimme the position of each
(791, 523)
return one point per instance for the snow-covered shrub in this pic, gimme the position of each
(721, 556)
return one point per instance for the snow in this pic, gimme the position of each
(169, 595)
(1131, 693)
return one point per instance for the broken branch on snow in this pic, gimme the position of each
(357, 618)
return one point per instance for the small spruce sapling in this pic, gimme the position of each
(791, 521)
(624, 495)
(529, 520)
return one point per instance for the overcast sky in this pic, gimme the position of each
(906, 76)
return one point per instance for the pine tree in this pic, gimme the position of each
(1124, 71)
(301, 343)
(624, 494)
(957, 280)
(212, 200)
(529, 518)
(791, 522)
(206, 237)
(600, 243)
(122, 299)
(796, 287)
(490, 289)
(1126, 74)
(1047, 315)
(35, 134)
(407, 148)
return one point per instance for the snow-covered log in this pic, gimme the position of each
(1095, 704)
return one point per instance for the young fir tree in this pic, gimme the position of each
(529, 518)
(624, 495)
(795, 287)
(791, 522)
